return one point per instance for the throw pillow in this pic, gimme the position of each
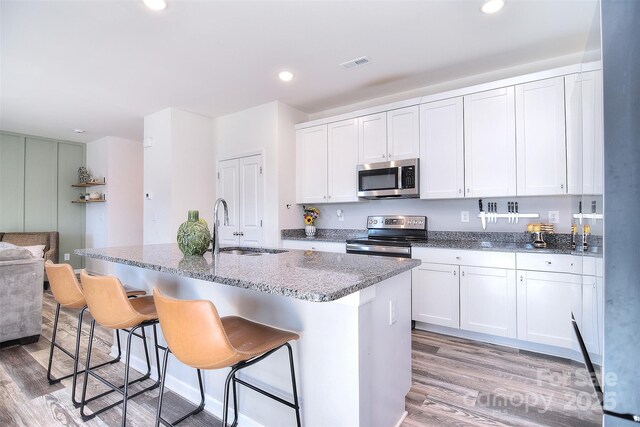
(37, 251)
(10, 252)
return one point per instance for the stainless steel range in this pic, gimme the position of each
(390, 235)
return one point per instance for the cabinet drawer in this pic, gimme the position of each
(549, 262)
(462, 257)
(315, 246)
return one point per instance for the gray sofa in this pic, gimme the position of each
(47, 238)
(21, 278)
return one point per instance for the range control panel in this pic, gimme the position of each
(397, 221)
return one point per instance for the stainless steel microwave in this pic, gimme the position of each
(395, 179)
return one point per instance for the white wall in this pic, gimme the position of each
(266, 129)
(178, 172)
(444, 215)
(118, 221)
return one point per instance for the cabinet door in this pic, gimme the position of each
(589, 325)
(41, 185)
(229, 190)
(11, 183)
(540, 136)
(592, 133)
(372, 138)
(545, 304)
(403, 133)
(250, 206)
(585, 139)
(343, 160)
(435, 294)
(490, 143)
(488, 300)
(311, 165)
(71, 217)
(441, 149)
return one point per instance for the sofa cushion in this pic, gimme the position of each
(36, 250)
(10, 252)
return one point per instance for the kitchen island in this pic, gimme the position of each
(352, 312)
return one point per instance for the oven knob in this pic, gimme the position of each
(375, 221)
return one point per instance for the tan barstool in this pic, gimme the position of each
(68, 293)
(110, 307)
(199, 338)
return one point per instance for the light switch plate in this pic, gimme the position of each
(464, 216)
(67, 257)
(393, 311)
(554, 217)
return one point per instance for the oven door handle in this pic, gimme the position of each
(383, 250)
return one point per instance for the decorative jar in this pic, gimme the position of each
(193, 235)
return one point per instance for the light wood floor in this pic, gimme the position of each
(455, 383)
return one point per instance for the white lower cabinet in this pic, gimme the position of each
(488, 300)
(591, 325)
(436, 294)
(545, 303)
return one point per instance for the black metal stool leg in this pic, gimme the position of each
(293, 385)
(83, 399)
(76, 357)
(161, 395)
(53, 343)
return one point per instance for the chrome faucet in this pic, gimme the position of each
(216, 224)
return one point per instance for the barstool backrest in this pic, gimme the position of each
(64, 285)
(194, 332)
(108, 302)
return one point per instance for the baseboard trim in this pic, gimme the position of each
(402, 418)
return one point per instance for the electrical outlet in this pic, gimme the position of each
(67, 257)
(393, 311)
(464, 216)
(554, 217)
(148, 195)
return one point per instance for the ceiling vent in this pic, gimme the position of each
(358, 62)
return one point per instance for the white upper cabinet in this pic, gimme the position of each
(442, 149)
(343, 159)
(326, 161)
(372, 138)
(540, 136)
(311, 165)
(390, 135)
(585, 139)
(403, 133)
(490, 143)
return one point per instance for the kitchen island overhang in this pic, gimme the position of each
(353, 313)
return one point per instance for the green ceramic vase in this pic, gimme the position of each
(193, 236)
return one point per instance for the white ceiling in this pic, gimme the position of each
(104, 65)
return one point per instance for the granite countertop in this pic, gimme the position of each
(307, 275)
(473, 241)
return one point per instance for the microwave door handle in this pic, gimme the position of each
(399, 183)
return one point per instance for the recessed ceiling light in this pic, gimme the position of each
(285, 76)
(79, 131)
(492, 6)
(155, 4)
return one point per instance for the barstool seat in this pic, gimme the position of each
(199, 338)
(111, 308)
(67, 293)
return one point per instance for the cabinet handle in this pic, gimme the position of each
(241, 233)
(384, 156)
(467, 190)
(548, 262)
(235, 233)
(462, 273)
(521, 279)
(457, 257)
(329, 196)
(459, 190)
(454, 272)
(562, 186)
(324, 197)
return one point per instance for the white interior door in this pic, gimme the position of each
(229, 190)
(251, 186)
